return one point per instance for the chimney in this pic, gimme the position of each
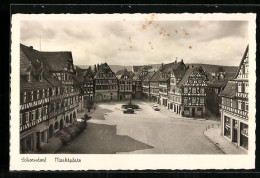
(31, 47)
(181, 60)
(176, 60)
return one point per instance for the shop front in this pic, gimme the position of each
(244, 135)
(227, 128)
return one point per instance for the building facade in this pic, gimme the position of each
(106, 84)
(46, 105)
(160, 82)
(125, 86)
(88, 87)
(234, 107)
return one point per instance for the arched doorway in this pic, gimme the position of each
(56, 126)
(67, 119)
(61, 124)
(50, 131)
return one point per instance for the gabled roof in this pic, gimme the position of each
(241, 62)
(102, 68)
(229, 90)
(58, 60)
(165, 68)
(187, 74)
(31, 56)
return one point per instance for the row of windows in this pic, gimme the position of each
(193, 100)
(33, 115)
(88, 83)
(126, 88)
(191, 80)
(242, 87)
(106, 81)
(236, 104)
(64, 103)
(43, 93)
(110, 87)
(193, 90)
(125, 82)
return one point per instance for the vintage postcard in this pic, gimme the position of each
(132, 91)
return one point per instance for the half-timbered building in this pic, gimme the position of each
(88, 86)
(234, 107)
(34, 104)
(60, 96)
(125, 85)
(106, 84)
(160, 82)
(188, 92)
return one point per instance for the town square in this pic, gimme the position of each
(173, 92)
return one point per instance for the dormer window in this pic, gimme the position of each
(29, 78)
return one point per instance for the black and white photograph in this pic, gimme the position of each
(134, 84)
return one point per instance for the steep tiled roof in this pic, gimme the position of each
(178, 73)
(138, 74)
(148, 76)
(102, 68)
(218, 83)
(166, 68)
(29, 55)
(229, 90)
(186, 76)
(58, 60)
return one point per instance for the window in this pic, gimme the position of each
(43, 93)
(33, 115)
(193, 100)
(239, 105)
(26, 117)
(246, 87)
(193, 90)
(202, 100)
(246, 107)
(239, 87)
(31, 95)
(185, 100)
(202, 90)
(24, 97)
(199, 80)
(190, 80)
(39, 112)
(185, 90)
(21, 119)
(48, 90)
(29, 78)
(38, 93)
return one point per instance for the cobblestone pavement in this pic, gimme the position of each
(147, 131)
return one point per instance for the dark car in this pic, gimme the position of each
(129, 111)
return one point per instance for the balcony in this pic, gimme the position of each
(236, 112)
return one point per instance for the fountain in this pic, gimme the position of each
(130, 105)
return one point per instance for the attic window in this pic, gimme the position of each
(29, 78)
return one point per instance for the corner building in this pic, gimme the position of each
(234, 106)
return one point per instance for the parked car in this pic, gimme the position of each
(155, 107)
(129, 111)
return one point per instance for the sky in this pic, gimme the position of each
(131, 42)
